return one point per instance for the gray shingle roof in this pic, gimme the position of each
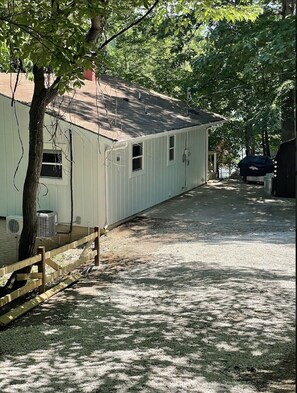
(116, 109)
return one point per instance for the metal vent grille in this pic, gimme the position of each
(14, 225)
(47, 223)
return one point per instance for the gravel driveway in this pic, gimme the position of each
(194, 295)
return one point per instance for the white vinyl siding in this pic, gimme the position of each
(105, 189)
(12, 156)
(129, 195)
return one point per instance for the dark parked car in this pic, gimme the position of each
(255, 166)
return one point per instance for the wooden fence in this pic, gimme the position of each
(42, 278)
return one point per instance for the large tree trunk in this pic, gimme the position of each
(37, 112)
(29, 232)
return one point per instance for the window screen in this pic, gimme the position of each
(171, 148)
(52, 164)
(137, 157)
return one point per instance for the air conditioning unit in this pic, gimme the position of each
(14, 225)
(47, 223)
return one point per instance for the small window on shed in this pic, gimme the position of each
(171, 148)
(137, 157)
(52, 164)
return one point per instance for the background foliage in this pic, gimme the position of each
(242, 69)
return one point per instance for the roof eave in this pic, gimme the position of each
(169, 132)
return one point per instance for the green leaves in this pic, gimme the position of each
(234, 64)
(50, 36)
(5, 55)
(243, 69)
(228, 13)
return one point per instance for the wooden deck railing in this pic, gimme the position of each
(42, 278)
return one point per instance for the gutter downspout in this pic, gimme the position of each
(107, 151)
(71, 186)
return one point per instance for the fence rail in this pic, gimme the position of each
(42, 278)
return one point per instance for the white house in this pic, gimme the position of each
(111, 150)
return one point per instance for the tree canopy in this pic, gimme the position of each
(242, 69)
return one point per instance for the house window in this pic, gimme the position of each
(137, 157)
(52, 164)
(171, 148)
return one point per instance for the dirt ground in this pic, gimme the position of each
(194, 295)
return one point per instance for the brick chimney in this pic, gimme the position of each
(89, 75)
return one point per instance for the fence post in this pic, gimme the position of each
(97, 246)
(41, 268)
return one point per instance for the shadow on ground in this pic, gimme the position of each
(183, 327)
(195, 299)
(212, 212)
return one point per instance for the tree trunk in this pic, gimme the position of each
(263, 141)
(287, 7)
(37, 112)
(265, 138)
(29, 232)
(267, 144)
(248, 140)
(287, 121)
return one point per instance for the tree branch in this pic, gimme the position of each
(52, 91)
(38, 73)
(130, 26)
(97, 25)
(95, 29)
